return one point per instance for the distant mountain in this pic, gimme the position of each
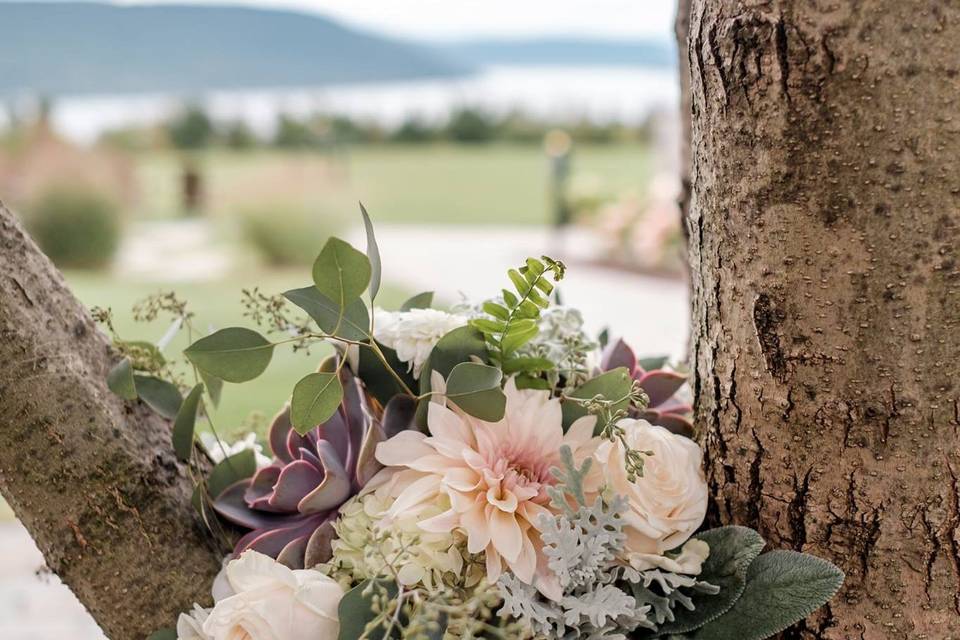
(564, 51)
(80, 47)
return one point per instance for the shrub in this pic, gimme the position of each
(192, 129)
(284, 234)
(75, 226)
(470, 125)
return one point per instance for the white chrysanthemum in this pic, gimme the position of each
(219, 450)
(368, 541)
(413, 334)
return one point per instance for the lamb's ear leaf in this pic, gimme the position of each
(234, 354)
(163, 634)
(783, 587)
(732, 550)
(185, 423)
(356, 611)
(373, 254)
(160, 395)
(120, 380)
(475, 388)
(419, 301)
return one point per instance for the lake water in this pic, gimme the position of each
(621, 94)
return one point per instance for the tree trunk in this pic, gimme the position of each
(681, 27)
(93, 478)
(826, 309)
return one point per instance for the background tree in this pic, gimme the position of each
(824, 231)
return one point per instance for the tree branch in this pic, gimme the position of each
(93, 478)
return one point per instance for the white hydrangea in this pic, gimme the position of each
(413, 334)
(367, 543)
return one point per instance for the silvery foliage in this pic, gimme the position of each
(581, 546)
(563, 341)
(602, 598)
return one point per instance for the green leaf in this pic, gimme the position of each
(214, 386)
(341, 273)
(516, 365)
(234, 354)
(783, 587)
(185, 423)
(517, 335)
(419, 301)
(354, 324)
(545, 286)
(120, 380)
(534, 269)
(377, 378)
(488, 325)
(519, 281)
(510, 298)
(612, 385)
(237, 467)
(373, 254)
(653, 363)
(163, 634)
(732, 549)
(498, 311)
(460, 345)
(315, 398)
(356, 611)
(160, 395)
(475, 388)
(145, 355)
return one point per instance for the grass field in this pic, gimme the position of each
(217, 305)
(439, 184)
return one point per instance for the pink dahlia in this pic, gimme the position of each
(495, 476)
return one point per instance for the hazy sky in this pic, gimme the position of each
(439, 19)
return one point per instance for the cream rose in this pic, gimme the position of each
(666, 505)
(260, 599)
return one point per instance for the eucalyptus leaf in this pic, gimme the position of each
(353, 324)
(315, 398)
(612, 385)
(234, 354)
(373, 254)
(214, 386)
(653, 362)
(186, 422)
(356, 611)
(420, 301)
(120, 380)
(783, 587)
(160, 395)
(732, 550)
(228, 471)
(475, 388)
(460, 345)
(341, 273)
(163, 634)
(378, 379)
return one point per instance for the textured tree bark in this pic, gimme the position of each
(93, 478)
(681, 28)
(824, 239)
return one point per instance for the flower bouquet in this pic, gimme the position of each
(488, 470)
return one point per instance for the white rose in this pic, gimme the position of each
(666, 505)
(190, 625)
(264, 600)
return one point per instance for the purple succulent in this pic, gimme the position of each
(290, 505)
(661, 385)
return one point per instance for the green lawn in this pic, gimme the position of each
(217, 304)
(456, 184)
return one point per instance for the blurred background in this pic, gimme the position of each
(207, 149)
